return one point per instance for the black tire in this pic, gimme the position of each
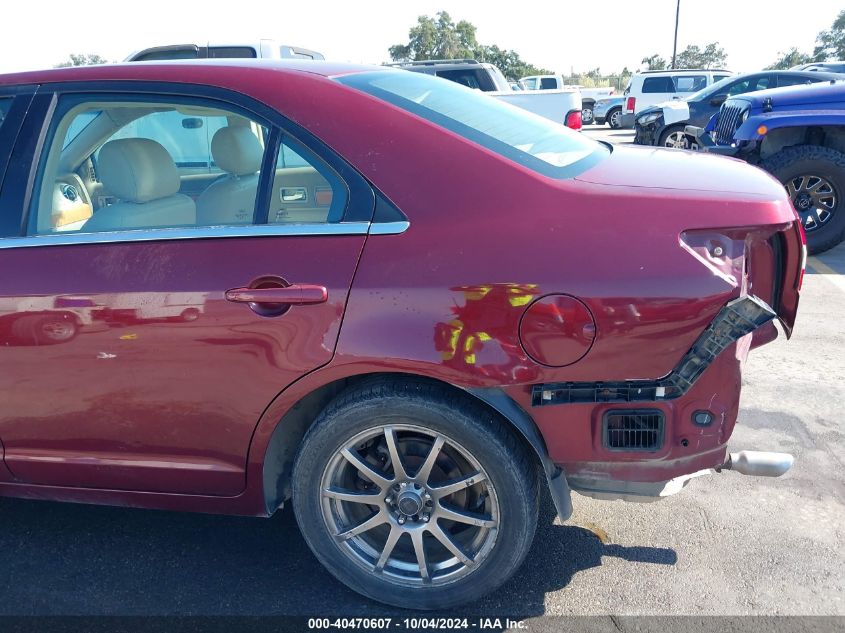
(587, 116)
(189, 314)
(691, 143)
(508, 464)
(614, 118)
(45, 329)
(790, 164)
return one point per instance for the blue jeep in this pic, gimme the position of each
(798, 135)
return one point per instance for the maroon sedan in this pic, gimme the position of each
(396, 301)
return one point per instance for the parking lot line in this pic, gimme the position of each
(817, 266)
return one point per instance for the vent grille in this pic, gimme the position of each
(639, 430)
(728, 123)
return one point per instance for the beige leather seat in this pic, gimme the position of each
(142, 174)
(231, 200)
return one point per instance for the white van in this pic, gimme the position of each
(651, 87)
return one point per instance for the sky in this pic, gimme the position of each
(559, 35)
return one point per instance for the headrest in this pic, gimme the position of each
(137, 170)
(237, 150)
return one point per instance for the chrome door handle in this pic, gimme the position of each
(296, 294)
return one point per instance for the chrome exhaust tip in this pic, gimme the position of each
(758, 463)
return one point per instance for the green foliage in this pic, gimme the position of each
(82, 60)
(830, 44)
(511, 65)
(439, 37)
(655, 62)
(713, 56)
(792, 57)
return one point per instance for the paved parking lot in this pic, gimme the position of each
(604, 133)
(727, 544)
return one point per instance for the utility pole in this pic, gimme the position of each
(675, 46)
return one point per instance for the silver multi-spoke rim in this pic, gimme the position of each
(814, 198)
(679, 140)
(410, 504)
(58, 330)
(615, 119)
(586, 115)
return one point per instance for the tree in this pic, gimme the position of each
(831, 44)
(655, 62)
(440, 37)
(713, 56)
(792, 57)
(82, 60)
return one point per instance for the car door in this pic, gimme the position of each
(13, 107)
(149, 330)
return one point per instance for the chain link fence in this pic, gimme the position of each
(618, 82)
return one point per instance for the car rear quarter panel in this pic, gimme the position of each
(488, 237)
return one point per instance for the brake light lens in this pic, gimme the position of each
(630, 103)
(573, 120)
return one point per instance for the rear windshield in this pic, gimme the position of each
(525, 138)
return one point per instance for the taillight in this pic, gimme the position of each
(573, 120)
(803, 254)
(629, 105)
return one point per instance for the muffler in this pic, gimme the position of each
(758, 463)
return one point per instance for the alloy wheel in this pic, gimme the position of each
(814, 198)
(679, 140)
(58, 330)
(410, 504)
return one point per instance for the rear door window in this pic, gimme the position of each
(793, 80)
(230, 52)
(548, 83)
(468, 78)
(690, 83)
(751, 84)
(653, 85)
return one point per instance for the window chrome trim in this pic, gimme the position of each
(389, 228)
(191, 233)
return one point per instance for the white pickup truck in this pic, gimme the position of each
(589, 96)
(562, 105)
(263, 49)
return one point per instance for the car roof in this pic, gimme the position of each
(181, 69)
(439, 65)
(683, 70)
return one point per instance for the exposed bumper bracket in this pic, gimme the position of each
(736, 319)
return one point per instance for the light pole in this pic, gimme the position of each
(675, 46)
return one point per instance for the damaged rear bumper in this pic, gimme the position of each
(752, 463)
(736, 319)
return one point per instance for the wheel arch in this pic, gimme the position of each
(286, 437)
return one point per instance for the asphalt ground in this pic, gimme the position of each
(726, 545)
